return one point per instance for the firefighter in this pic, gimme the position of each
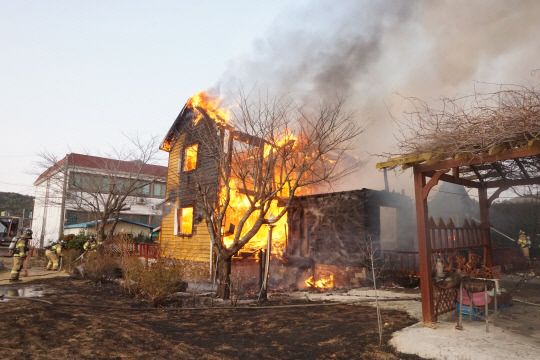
(53, 254)
(524, 243)
(92, 244)
(19, 254)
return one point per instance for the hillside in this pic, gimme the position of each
(14, 203)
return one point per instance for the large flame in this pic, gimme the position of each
(212, 107)
(238, 205)
(239, 202)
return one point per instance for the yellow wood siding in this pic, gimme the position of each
(195, 247)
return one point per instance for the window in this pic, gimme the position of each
(88, 182)
(190, 157)
(388, 228)
(185, 220)
(159, 190)
(142, 189)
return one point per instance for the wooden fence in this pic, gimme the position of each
(143, 250)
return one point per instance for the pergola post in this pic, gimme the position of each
(424, 247)
(485, 226)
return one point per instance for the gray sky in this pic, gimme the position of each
(75, 75)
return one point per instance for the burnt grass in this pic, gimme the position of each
(88, 321)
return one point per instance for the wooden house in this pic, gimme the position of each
(184, 233)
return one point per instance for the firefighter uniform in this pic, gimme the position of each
(91, 245)
(19, 254)
(524, 243)
(53, 255)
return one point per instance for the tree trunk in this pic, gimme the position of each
(224, 277)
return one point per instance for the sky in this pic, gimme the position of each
(78, 76)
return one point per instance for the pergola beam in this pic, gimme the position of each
(522, 168)
(509, 154)
(512, 182)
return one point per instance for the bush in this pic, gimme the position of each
(69, 260)
(101, 267)
(76, 242)
(142, 239)
(157, 282)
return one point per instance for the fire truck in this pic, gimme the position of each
(10, 226)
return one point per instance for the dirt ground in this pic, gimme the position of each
(74, 319)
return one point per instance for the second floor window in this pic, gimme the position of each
(190, 157)
(159, 189)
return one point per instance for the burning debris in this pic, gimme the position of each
(327, 283)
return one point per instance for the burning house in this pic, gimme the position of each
(227, 190)
(328, 232)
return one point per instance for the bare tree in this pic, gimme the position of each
(102, 186)
(270, 150)
(375, 264)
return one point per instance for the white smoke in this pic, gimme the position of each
(371, 51)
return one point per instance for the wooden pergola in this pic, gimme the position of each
(503, 166)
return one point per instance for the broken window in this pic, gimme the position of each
(185, 220)
(190, 157)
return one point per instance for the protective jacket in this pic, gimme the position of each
(19, 254)
(21, 247)
(91, 245)
(53, 255)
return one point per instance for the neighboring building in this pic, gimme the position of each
(124, 226)
(60, 192)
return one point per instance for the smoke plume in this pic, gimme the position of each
(370, 51)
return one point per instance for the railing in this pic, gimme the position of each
(448, 241)
(144, 250)
(148, 251)
(447, 236)
(402, 261)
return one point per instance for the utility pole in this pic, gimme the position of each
(63, 201)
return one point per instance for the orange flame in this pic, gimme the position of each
(210, 105)
(239, 202)
(327, 283)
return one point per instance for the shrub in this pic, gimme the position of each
(101, 267)
(157, 282)
(69, 260)
(142, 239)
(76, 242)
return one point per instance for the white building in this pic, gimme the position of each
(62, 197)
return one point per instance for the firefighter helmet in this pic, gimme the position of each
(27, 233)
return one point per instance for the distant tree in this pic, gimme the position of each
(511, 216)
(16, 204)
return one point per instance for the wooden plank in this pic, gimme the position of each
(424, 250)
(498, 148)
(514, 182)
(485, 226)
(460, 181)
(522, 168)
(481, 159)
(477, 172)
